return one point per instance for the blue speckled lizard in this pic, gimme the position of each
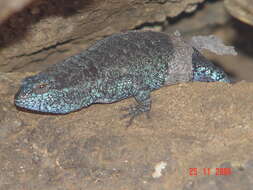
(123, 65)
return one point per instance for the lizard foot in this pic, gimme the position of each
(134, 111)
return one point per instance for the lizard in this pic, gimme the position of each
(127, 64)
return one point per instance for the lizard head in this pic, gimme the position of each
(43, 93)
(206, 71)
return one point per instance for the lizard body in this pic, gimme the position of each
(120, 66)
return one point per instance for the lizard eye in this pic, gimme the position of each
(40, 88)
(43, 85)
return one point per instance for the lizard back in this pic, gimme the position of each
(135, 53)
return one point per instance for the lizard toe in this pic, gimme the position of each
(133, 112)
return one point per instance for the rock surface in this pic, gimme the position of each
(9, 7)
(194, 129)
(193, 125)
(46, 28)
(241, 9)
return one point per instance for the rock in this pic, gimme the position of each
(43, 31)
(240, 9)
(193, 125)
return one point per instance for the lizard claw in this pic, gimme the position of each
(133, 112)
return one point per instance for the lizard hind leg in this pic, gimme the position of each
(142, 97)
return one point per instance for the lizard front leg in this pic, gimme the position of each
(142, 97)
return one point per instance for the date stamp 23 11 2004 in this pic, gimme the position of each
(210, 171)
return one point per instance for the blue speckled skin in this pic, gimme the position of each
(117, 67)
(206, 71)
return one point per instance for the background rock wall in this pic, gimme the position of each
(193, 126)
(35, 33)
